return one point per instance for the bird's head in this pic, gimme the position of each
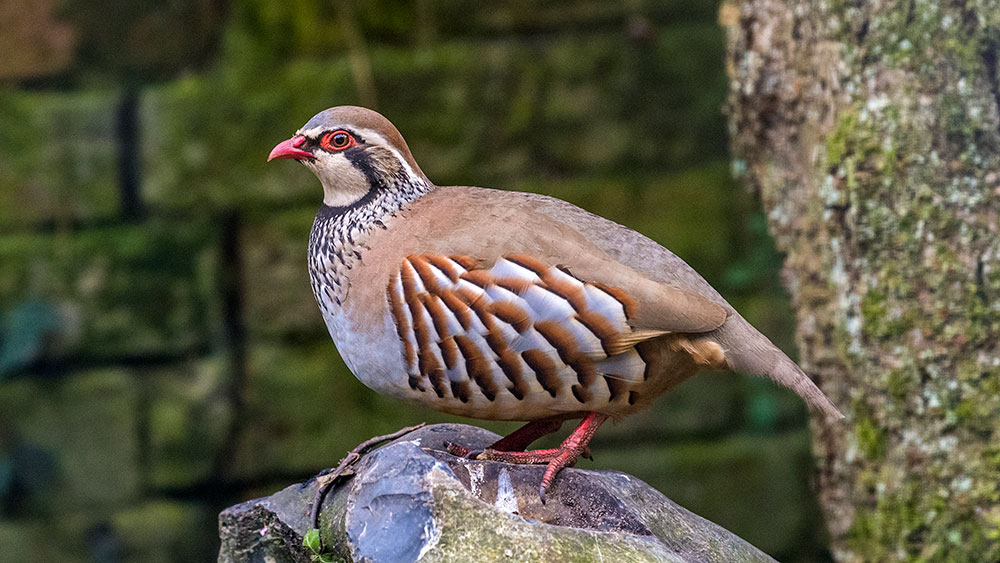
(354, 152)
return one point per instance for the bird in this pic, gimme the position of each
(503, 305)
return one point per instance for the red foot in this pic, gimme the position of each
(571, 448)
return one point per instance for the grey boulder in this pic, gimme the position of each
(410, 500)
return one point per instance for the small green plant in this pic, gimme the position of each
(312, 542)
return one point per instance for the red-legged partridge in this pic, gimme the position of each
(504, 305)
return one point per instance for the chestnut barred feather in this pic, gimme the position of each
(518, 327)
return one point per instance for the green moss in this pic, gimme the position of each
(915, 202)
(929, 526)
(871, 438)
(899, 382)
(878, 321)
(837, 142)
(471, 530)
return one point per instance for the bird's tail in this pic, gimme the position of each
(766, 360)
(787, 373)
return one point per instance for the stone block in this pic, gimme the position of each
(278, 298)
(58, 158)
(304, 411)
(475, 112)
(204, 152)
(88, 423)
(121, 291)
(32, 542)
(709, 404)
(733, 480)
(189, 412)
(165, 531)
(148, 532)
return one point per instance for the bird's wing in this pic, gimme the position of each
(487, 224)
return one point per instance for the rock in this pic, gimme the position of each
(410, 500)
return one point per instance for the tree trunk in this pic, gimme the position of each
(871, 131)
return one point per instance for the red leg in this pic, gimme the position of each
(516, 441)
(521, 438)
(571, 448)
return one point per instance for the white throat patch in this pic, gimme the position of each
(343, 184)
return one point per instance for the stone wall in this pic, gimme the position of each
(156, 371)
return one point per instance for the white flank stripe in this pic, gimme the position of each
(439, 276)
(609, 307)
(540, 304)
(588, 342)
(547, 306)
(454, 327)
(418, 284)
(499, 294)
(506, 269)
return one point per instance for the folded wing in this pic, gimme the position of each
(480, 332)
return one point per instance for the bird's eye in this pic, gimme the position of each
(337, 141)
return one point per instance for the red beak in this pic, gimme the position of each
(290, 149)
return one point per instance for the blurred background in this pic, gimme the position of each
(161, 355)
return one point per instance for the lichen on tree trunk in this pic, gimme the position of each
(871, 130)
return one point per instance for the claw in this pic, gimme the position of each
(456, 450)
(462, 451)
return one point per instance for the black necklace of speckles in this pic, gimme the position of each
(337, 237)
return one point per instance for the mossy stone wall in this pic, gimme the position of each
(155, 371)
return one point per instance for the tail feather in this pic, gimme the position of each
(787, 373)
(756, 355)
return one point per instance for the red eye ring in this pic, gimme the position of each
(337, 140)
